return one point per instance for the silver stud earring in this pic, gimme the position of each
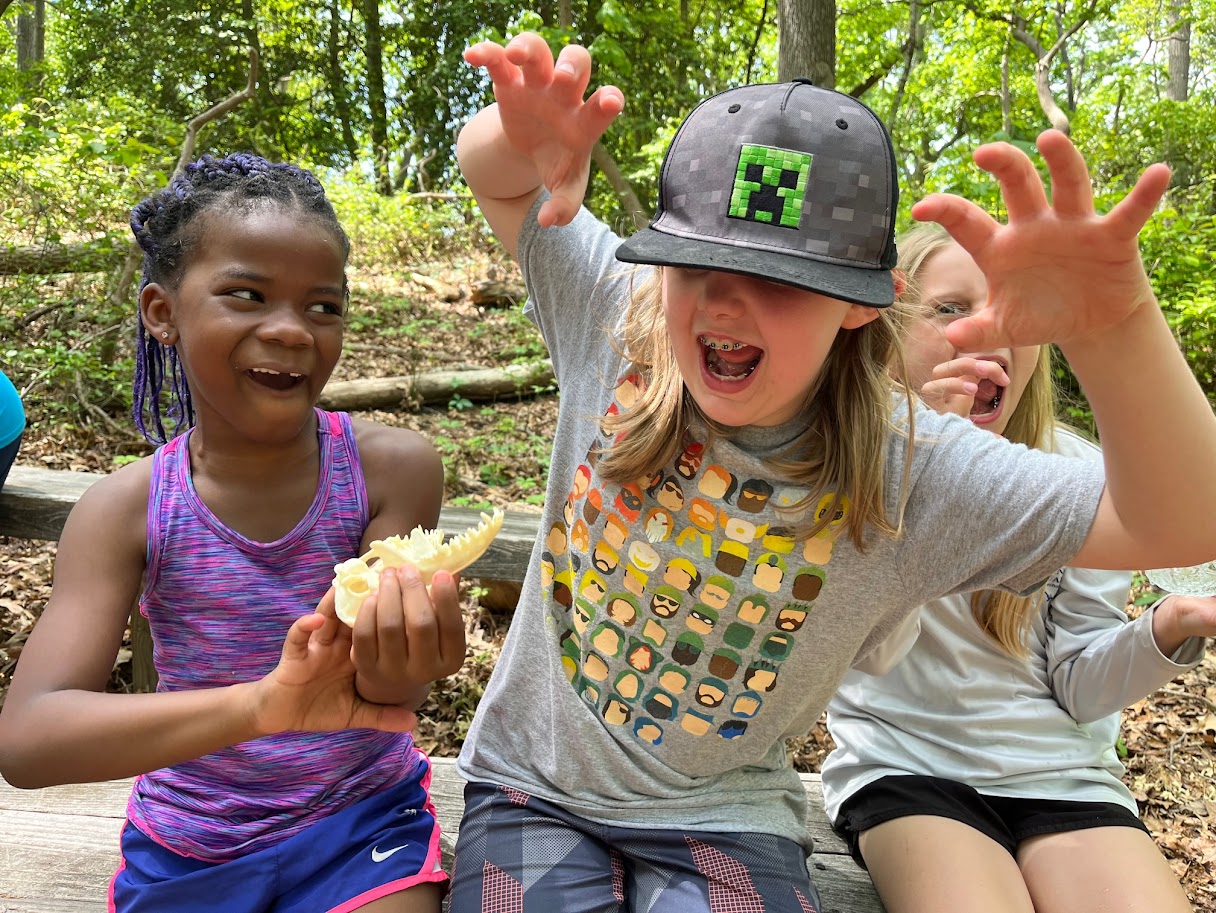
(164, 334)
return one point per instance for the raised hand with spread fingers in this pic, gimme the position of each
(538, 134)
(1058, 271)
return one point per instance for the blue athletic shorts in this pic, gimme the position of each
(386, 843)
(1005, 820)
(519, 854)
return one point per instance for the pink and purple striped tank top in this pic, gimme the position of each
(219, 606)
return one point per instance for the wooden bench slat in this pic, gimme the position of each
(65, 857)
(44, 905)
(62, 843)
(35, 503)
(843, 885)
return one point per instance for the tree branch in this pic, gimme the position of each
(217, 111)
(135, 254)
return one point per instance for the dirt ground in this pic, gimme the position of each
(497, 454)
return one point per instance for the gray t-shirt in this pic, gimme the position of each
(1044, 727)
(671, 634)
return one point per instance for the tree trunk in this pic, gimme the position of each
(1178, 49)
(31, 34)
(143, 671)
(912, 50)
(337, 81)
(475, 385)
(376, 101)
(31, 43)
(1006, 92)
(806, 31)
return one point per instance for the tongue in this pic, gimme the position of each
(733, 362)
(988, 391)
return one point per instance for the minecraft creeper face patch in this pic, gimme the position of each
(770, 185)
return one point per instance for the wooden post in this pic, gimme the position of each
(143, 672)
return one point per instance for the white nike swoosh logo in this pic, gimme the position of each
(378, 856)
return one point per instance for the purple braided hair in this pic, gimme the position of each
(165, 227)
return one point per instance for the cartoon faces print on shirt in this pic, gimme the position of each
(678, 598)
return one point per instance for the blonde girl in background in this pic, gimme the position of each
(980, 773)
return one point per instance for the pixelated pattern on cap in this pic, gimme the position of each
(770, 185)
(786, 182)
(847, 212)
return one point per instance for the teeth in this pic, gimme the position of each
(720, 346)
(271, 371)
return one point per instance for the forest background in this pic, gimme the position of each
(96, 103)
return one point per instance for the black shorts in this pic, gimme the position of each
(1007, 821)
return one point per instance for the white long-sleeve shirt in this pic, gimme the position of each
(958, 707)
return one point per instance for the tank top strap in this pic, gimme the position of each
(336, 432)
(166, 464)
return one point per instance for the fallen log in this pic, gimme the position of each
(49, 259)
(477, 385)
(490, 293)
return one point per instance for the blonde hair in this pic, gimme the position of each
(1005, 617)
(848, 411)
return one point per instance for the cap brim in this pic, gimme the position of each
(857, 285)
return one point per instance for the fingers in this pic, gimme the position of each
(327, 606)
(492, 58)
(449, 623)
(1024, 196)
(956, 382)
(434, 626)
(295, 645)
(1131, 213)
(409, 631)
(1021, 187)
(970, 369)
(966, 222)
(1072, 195)
(601, 109)
(570, 73)
(366, 644)
(954, 395)
(976, 333)
(566, 179)
(530, 53)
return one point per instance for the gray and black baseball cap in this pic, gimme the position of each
(783, 181)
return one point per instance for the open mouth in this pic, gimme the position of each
(728, 359)
(275, 380)
(987, 399)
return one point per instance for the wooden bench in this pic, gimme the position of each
(59, 846)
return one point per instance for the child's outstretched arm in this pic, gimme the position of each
(59, 726)
(1059, 272)
(1098, 662)
(538, 134)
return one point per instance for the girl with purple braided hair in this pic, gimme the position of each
(274, 765)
